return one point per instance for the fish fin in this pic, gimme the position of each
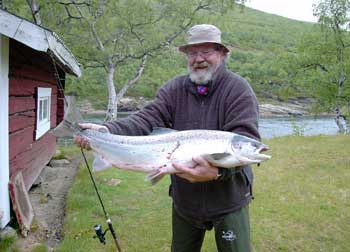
(216, 158)
(100, 163)
(155, 176)
(222, 159)
(160, 131)
(71, 120)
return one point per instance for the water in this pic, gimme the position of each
(280, 126)
(306, 126)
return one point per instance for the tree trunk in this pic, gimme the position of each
(339, 120)
(138, 74)
(112, 109)
(339, 117)
(34, 7)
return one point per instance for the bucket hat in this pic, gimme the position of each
(203, 33)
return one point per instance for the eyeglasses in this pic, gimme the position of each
(204, 54)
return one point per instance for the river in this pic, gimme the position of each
(307, 126)
(281, 126)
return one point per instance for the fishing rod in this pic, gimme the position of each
(100, 234)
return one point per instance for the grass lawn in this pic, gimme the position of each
(302, 203)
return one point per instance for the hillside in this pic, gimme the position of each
(258, 41)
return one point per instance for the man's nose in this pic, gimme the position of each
(199, 58)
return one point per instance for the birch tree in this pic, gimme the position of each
(323, 60)
(34, 7)
(108, 34)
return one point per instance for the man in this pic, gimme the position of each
(209, 97)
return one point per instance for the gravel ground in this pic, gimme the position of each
(48, 198)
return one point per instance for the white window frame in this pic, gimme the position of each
(43, 108)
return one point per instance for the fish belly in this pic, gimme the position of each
(143, 158)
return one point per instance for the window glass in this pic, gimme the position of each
(43, 111)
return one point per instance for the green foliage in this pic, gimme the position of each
(298, 130)
(7, 244)
(18, 7)
(258, 41)
(40, 248)
(322, 60)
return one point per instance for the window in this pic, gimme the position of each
(43, 112)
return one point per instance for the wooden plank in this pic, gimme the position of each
(60, 110)
(31, 161)
(53, 111)
(23, 158)
(26, 63)
(43, 158)
(20, 141)
(21, 203)
(32, 73)
(21, 120)
(27, 87)
(21, 104)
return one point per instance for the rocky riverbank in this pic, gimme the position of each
(275, 109)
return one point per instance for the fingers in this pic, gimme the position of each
(86, 125)
(81, 142)
(93, 126)
(201, 161)
(183, 168)
(201, 172)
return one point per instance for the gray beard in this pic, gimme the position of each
(201, 78)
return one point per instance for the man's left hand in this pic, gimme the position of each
(201, 172)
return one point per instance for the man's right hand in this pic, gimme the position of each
(83, 143)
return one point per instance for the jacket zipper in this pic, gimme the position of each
(204, 185)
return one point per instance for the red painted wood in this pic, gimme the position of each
(26, 87)
(21, 203)
(32, 159)
(28, 63)
(43, 158)
(20, 141)
(31, 72)
(21, 104)
(60, 110)
(28, 70)
(21, 120)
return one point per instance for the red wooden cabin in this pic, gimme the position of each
(33, 65)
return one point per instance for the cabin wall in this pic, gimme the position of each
(29, 69)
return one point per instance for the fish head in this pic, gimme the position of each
(248, 149)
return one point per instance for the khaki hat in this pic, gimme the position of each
(203, 33)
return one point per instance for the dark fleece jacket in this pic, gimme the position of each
(230, 105)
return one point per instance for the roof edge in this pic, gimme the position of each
(39, 39)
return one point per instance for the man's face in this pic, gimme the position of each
(202, 62)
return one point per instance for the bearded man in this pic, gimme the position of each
(208, 97)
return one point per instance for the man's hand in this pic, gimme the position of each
(201, 172)
(83, 143)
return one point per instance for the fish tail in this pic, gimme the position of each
(155, 176)
(70, 124)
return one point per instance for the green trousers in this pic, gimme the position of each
(232, 232)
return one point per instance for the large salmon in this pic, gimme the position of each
(155, 153)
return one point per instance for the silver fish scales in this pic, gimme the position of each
(154, 154)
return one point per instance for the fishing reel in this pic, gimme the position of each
(100, 234)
